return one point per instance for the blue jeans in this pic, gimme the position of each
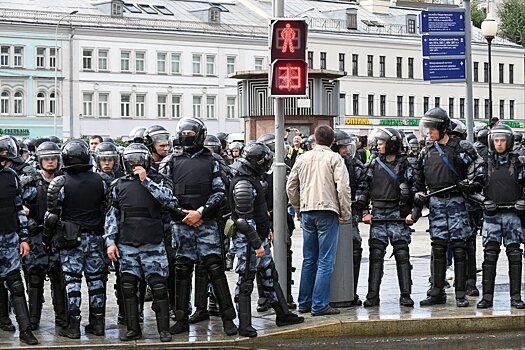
(320, 234)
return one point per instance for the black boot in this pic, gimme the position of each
(201, 295)
(183, 274)
(97, 322)
(14, 282)
(59, 297)
(357, 255)
(263, 304)
(439, 265)
(404, 275)
(72, 331)
(245, 317)
(289, 280)
(515, 254)
(161, 307)
(490, 260)
(5, 321)
(285, 317)
(460, 272)
(35, 294)
(222, 293)
(375, 274)
(471, 288)
(131, 308)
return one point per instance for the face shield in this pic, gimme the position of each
(500, 141)
(427, 123)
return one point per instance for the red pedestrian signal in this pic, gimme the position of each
(289, 69)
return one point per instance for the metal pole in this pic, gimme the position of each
(489, 40)
(279, 181)
(71, 96)
(468, 72)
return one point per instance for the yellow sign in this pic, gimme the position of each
(358, 121)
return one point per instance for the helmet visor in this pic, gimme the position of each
(500, 141)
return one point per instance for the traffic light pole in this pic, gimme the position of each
(279, 179)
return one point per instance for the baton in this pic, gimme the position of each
(443, 190)
(388, 220)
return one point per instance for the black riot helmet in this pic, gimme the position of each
(391, 136)
(75, 156)
(257, 156)
(482, 136)
(413, 144)
(106, 150)
(498, 132)
(108, 139)
(48, 149)
(518, 137)
(155, 133)
(236, 145)
(269, 140)
(192, 132)
(8, 148)
(136, 154)
(136, 135)
(213, 144)
(458, 128)
(56, 140)
(223, 137)
(343, 139)
(435, 118)
(30, 142)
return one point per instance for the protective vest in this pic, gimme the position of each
(384, 190)
(37, 207)
(8, 192)
(437, 173)
(83, 200)
(260, 208)
(502, 185)
(140, 214)
(192, 180)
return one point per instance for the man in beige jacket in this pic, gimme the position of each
(318, 188)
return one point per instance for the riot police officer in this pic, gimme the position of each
(40, 263)
(389, 179)
(75, 223)
(447, 167)
(134, 235)
(107, 162)
(13, 238)
(481, 143)
(250, 212)
(504, 205)
(200, 191)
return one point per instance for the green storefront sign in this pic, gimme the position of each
(14, 132)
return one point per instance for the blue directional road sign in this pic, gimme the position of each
(442, 21)
(443, 45)
(446, 69)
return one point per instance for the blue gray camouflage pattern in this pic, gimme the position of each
(195, 243)
(503, 227)
(9, 253)
(448, 218)
(38, 257)
(143, 261)
(389, 231)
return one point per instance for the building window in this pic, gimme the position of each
(426, 104)
(382, 66)
(382, 105)
(370, 105)
(230, 65)
(52, 57)
(140, 62)
(102, 59)
(462, 107)
(210, 65)
(355, 66)
(124, 61)
(437, 101)
(175, 63)
(87, 59)
(370, 66)
(501, 74)
(4, 56)
(399, 67)
(210, 107)
(18, 58)
(40, 57)
(487, 109)
(196, 59)
(161, 62)
(103, 108)
(197, 102)
(502, 109)
(140, 106)
(311, 59)
(116, 9)
(87, 104)
(231, 104)
(52, 103)
(125, 101)
(161, 106)
(410, 68)
(4, 103)
(259, 61)
(451, 107)
(511, 109)
(341, 62)
(511, 74)
(399, 106)
(476, 108)
(485, 72)
(411, 28)
(411, 107)
(40, 103)
(355, 104)
(476, 72)
(19, 103)
(323, 60)
(176, 109)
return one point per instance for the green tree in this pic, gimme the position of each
(478, 14)
(512, 20)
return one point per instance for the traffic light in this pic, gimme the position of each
(289, 69)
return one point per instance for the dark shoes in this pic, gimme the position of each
(429, 301)
(263, 304)
(6, 325)
(328, 311)
(517, 304)
(405, 300)
(462, 302)
(288, 319)
(165, 336)
(198, 316)
(371, 302)
(249, 332)
(131, 335)
(484, 304)
(28, 338)
(356, 301)
(180, 327)
(229, 327)
(472, 291)
(303, 310)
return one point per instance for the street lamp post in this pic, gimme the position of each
(56, 71)
(489, 28)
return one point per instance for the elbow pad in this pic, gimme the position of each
(253, 237)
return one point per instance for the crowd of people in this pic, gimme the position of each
(164, 209)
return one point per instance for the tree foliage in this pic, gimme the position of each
(478, 14)
(512, 20)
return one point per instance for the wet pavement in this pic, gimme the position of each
(355, 327)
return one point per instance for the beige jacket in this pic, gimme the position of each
(319, 181)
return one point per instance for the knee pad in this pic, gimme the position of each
(15, 284)
(128, 285)
(459, 249)
(377, 250)
(514, 253)
(401, 251)
(35, 279)
(246, 286)
(439, 248)
(214, 266)
(183, 271)
(458, 244)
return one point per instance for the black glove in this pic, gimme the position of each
(176, 213)
(419, 200)
(360, 202)
(519, 207)
(467, 187)
(490, 207)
